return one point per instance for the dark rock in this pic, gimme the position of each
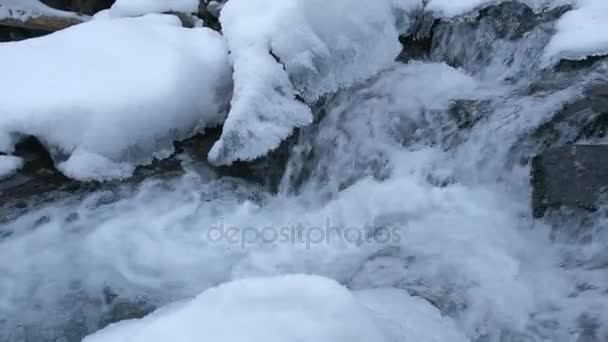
(88, 7)
(414, 48)
(118, 309)
(418, 44)
(573, 177)
(209, 12)
(467, 113)
(509, 34)
(511, 19)
(12, 34)
(582, 119)
(267, 170)
(40, 182)
(566, 65)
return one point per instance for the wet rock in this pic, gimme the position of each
(12, 34)
(584, 119)
(119, 309)
(508, 37)
(467, 113)
(566, 65)
(267, 170)
(573, 177)
(209, 11)
(418, 43)
(39, 182)
(511, 19)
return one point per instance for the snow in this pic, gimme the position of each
(21, 9)
(85, 165)
(126, 8)
(9, 165)
(417, 320)
(320, 46)
(288, 308)
(116, 91)
(453, 8)
(580, 33)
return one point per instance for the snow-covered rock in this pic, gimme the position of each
(22, 9)
(118, 92)
(454, 8)
(288, 308)
(9, 165)
(128, 8)
(580, 33)
(282, 50)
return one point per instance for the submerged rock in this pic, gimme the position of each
(505, 40)
(573, 177)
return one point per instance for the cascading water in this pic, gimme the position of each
(423, 170)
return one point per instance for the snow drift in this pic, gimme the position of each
(580, 33)
(126, 8)
(288, 308)
(117, 92)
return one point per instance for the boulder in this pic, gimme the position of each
(572, 177)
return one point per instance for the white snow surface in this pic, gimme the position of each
(116, 91)
(126, 8)
(9, 165)
(322, 47)
(580, 33)
(288, 308)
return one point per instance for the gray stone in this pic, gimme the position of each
(573, 177)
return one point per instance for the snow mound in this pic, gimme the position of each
(9, 165)
(286, 50)
(409, 318)
(580, 33)
(287, 308)
(117, 92)
(126, 8)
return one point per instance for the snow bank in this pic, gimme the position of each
(126, 8)
(117, 92)
(581, 32)
(287, 308)
(307, 48)
(9, 165)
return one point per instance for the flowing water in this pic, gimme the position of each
(417, 179)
